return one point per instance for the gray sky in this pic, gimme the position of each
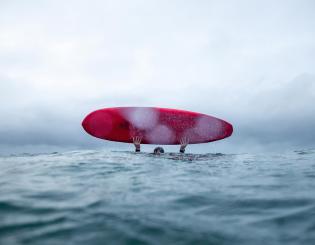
(248, 62)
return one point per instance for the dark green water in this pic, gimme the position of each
(102, 197)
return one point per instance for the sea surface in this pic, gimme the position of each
(106, 197)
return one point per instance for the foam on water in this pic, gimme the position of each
(103, 197)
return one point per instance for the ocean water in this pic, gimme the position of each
(106, 197)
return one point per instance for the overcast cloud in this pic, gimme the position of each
(248, 62)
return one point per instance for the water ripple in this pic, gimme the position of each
(102, 197)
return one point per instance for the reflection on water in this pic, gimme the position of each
(103, 197)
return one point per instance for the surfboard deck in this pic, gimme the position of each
(155, 125)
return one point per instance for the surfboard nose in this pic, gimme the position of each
(228, 129)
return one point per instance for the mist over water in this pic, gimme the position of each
(112, 197)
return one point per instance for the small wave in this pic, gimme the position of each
(99, 197)
(305, 152)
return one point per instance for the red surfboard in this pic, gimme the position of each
(155, 125)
